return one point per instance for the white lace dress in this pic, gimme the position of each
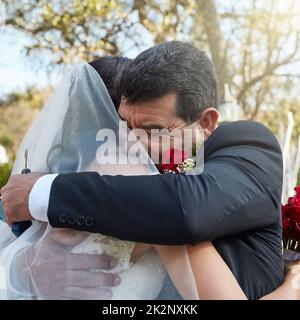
(140, 280)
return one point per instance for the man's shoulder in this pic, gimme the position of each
(243, 133)
(242, 126)
(247, 146)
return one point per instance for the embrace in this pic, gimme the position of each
(91, 228)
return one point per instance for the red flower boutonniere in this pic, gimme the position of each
(176, 161)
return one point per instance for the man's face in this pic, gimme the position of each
(156, 114)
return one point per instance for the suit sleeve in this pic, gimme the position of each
(236, 192)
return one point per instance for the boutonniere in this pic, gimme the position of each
(176, 161)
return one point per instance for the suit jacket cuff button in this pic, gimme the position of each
(62, 218)
(80, 220)
(89, 221)
(71, 220)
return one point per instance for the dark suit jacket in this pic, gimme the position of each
(235, 202)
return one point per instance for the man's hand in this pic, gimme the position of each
(49, 270)
(15, 196)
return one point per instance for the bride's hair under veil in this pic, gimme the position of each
(63, 139)
(110, 70)
(63, 157)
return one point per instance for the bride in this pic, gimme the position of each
(63, 139)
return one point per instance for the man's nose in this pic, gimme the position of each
(129, 125)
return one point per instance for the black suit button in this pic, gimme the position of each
(89, 221)
(80, 220)
(62, 218)
(71, 220)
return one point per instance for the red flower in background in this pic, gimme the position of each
(296, 231)
(291, 218)
(285, 224)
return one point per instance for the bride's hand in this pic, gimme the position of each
(53, 272)
(292, 278)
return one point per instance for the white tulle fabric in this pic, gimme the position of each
(62, 139)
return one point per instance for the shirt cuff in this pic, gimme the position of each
(39, 197)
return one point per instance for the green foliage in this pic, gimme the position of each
(31, 98)
(244, 41)
(17, 112)
(6, 142)
(5, 171)
(70, 30)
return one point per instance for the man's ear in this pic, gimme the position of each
(122, 108)
(209, 119)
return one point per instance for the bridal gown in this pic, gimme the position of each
(140, 280)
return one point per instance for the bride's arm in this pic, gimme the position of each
(215, 280)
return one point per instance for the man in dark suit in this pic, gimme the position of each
(235, 202)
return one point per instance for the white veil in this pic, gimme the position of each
(63, 139)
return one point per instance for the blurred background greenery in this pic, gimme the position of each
(255, 47)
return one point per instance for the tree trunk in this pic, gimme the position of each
(207, 16)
